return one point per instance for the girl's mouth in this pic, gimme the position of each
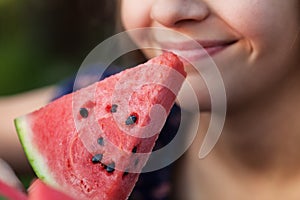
(193, 51)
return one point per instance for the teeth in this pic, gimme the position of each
(188, 54)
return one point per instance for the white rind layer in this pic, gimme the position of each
(37, 161)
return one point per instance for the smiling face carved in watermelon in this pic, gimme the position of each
(93, 143)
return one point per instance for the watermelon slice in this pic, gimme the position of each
(40, 191)
(37, 191)
(93, 143)
(8, 192)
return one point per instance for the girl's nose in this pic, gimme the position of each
(175, 12)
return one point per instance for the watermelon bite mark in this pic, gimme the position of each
(94, 142)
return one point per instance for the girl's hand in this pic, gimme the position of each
(8, 176)
(37, 190)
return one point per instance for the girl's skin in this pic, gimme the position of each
(257, 156)
(13, 107)
(8, 176)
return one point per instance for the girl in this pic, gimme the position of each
(257, 155)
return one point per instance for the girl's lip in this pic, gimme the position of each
(188, 45)
(194, 51)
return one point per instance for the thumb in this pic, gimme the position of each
(8, 176)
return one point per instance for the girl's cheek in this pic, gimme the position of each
(248, 17)
(135, 13)
(259, 22)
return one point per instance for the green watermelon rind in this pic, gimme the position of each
(36, 159)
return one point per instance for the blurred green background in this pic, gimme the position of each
(43, 42)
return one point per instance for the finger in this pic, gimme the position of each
(8, 176)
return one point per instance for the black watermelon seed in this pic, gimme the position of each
(84, 112)
(125, 173)
(136, 162)
(110, 167)
(100, 141)
(97, 158)
(113, 108)
(131, 120)
(134, 150)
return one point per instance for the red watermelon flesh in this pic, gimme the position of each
(93, 143)
(40, 191)
(37, 191)
(8, 192)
